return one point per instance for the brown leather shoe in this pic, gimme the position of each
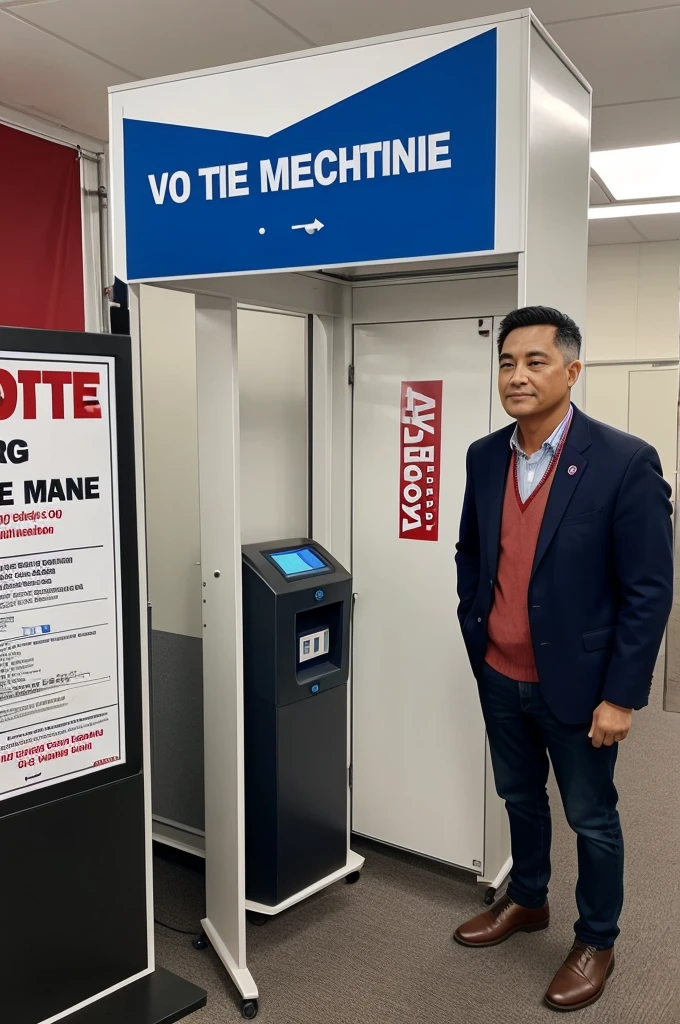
(581, 979)
(502, 920)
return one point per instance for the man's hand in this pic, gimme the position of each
(611, 724)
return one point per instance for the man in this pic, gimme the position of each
(565, 584)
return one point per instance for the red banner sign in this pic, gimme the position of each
(420, 444)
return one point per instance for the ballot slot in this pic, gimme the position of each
(313, 645)
(319, 642)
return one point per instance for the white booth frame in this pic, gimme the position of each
(549, 266)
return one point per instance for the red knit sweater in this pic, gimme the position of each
(510, 650)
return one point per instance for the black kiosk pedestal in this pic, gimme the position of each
(76, 920)
(296, 618)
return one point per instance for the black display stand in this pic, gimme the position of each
(162, 998)
(74, 856)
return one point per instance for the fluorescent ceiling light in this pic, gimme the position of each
(631, 210)
(644, 172)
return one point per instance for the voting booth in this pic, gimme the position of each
(76, 929)
(404, 193)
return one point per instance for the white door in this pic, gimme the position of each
(418, 735)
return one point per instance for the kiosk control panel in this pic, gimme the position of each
(296, 621)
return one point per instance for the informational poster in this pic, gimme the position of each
(61, 678)
(420, 431)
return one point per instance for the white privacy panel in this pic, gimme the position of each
(168, 340)
(419, 741)
(272, 351)
(555, 260)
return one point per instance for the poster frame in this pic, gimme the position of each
(65, 344)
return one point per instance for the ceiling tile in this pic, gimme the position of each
(51, 79)
(166, 37)
(636, 124)
(628, 57)
(612, 232)
(662, 228)
(556, 11)
(330, 21)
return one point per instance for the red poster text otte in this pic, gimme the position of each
(83, 384)
(420, 445)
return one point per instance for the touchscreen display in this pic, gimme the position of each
(299, 562)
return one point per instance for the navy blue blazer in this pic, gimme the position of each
(602, 582)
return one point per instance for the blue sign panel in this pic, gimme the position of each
(403, 169)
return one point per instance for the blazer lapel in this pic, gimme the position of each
(568, 475)
(498, 465)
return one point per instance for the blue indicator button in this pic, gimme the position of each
(319, 595)
(314, 687)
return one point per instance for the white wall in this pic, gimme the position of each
(633, 294)
(632, 331)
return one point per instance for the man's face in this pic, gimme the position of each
(533, 377)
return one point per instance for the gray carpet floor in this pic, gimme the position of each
(381, 951)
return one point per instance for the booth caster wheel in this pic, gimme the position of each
(489, 896)
(252, 917)
(249, 1009)
(353, 878)
(201, 942)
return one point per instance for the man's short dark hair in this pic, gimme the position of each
(567, 335)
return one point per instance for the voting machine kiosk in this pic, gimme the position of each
(296, 615)
(403, 194)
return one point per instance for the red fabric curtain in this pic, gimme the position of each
(41, 252)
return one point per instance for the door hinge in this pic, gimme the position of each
(351, 776)
(350, 375)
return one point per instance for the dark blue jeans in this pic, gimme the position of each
(523, 733)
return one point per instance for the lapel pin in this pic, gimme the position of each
(572, 470)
